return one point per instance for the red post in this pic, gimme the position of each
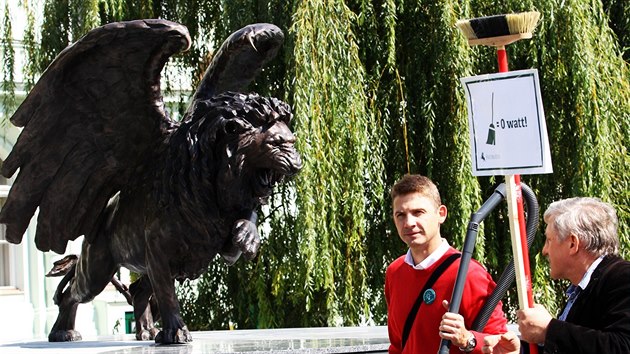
(502, 58)
(533, 348)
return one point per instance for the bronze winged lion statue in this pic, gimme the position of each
(99, 157)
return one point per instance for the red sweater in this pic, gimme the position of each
(402, 286)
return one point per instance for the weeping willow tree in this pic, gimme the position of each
(340, 143)
(374, 86)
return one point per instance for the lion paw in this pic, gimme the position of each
(63, 335)
(246, 238)
(147, 334)
(173, 336)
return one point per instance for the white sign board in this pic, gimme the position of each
(508, 134)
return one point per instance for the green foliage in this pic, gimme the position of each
(618, 12)
(438, 109)
(8, 59)
(587, 102)
(375, 90)
(330, 104)
(31, 47)
(55, 32)
(83, 17)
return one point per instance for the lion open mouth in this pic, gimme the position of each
(267, 178)
(288, 163)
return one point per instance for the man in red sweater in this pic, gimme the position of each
(418, 213)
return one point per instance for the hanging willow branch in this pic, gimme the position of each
(432, 58)
(55, 32)
(330, 106)
(31, 47)
(8, 70)
(587, 103)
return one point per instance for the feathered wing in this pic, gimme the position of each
(239, 59)
(90, 123)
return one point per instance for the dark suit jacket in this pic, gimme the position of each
(599, 320)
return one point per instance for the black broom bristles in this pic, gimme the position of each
(521, 24)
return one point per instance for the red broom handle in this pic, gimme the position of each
(503, 67)
(502, 58)
(521, 223)
(533, 348)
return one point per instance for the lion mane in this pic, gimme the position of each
(227, 147)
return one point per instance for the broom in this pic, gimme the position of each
(499, 31)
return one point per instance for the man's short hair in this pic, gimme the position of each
(591, 220)
(410, 183)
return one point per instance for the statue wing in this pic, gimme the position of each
(91, 122)
(239, 59)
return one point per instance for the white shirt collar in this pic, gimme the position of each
(587, 276)
(431, 259)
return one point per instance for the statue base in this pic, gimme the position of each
(279, 341)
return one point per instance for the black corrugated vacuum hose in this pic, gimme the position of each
(508, 275)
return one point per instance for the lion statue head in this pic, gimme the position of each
(242, 143)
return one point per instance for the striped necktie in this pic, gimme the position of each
(573, 292)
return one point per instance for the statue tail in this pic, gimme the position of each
(66, 267)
